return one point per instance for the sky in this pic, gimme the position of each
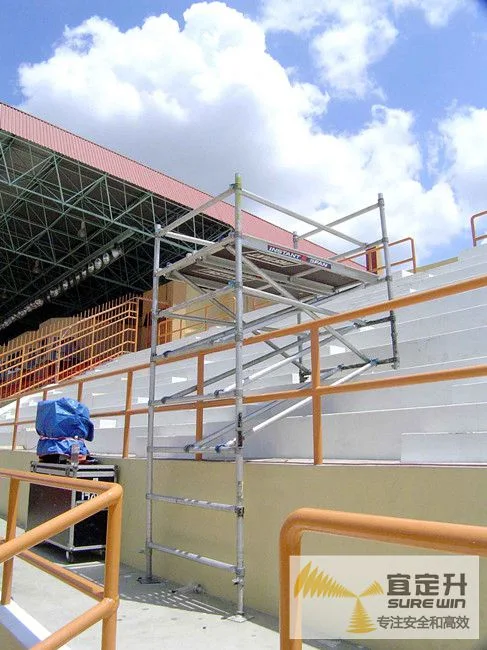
(319, 105)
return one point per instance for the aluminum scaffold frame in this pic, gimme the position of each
(246, 266)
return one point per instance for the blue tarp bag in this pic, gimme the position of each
(61, 423)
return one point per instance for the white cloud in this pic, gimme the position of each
(346, 51)
(348, 36)
(436, 12)
(202, 101)
(464, 148)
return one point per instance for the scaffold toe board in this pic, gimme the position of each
(302, 273)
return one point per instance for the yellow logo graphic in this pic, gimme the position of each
(311, 582)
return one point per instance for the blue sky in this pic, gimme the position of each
(329, 103)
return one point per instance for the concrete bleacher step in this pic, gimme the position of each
(364, 434)
(444, 447)
(445, 333)
(435, 394)
(460, 344)
(97, 400)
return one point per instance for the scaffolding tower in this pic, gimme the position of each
(242, 265)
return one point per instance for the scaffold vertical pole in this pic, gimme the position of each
(151, 407)
(388, 269)
(239, 461)
(302, 377)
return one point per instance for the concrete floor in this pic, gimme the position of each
(159, 616)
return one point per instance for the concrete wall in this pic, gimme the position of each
(272, 491)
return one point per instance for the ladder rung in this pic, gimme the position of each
(180, 450)
(186, 399)
(185, 501)
(201, 559)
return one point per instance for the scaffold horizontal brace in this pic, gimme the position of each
(197, 503)
(201, 559)
(197, 256)
(188, 449)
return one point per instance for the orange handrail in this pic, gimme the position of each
(473, 227)
(109, 495)
(52, 356)
(446, 537)
(316, 390)
(371, 256)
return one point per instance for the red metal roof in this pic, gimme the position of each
(47, 135)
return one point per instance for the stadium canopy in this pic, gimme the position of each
(76, 222)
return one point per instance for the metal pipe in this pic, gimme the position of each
(188, 399)
(389, 281)
(189, 238)
(354, 251)
(152, 394)
(183, 501)
(297, 303)
(295, 407)
(210, 297)
(337, 222)
(295, 362)
(161, 449)
(128, 406)
(191, 258)
(239, 413)
(286, 301)
(267, 407)
(195, 212)
(354, 314)
(221, 337)
(197, 319)
(316, 399)
(229, 373)
(300, 217)
(261, 373)
(299, 319)
(263, 409)
(201, 559)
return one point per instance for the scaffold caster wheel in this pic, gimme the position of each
(69, 557)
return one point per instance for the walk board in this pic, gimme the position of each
(300, 272)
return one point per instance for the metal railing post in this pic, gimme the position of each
(299, 319)
(128, 406)
(151, 407)
(389, 282)
(8, 567)
(239, 437)
(316, 400)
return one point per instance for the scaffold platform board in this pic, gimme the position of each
(304, 274)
